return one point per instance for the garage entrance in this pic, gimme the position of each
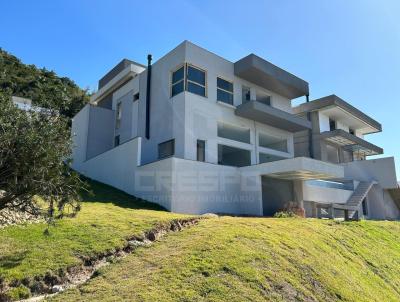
(275, 194)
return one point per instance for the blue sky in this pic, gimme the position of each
(350, 48)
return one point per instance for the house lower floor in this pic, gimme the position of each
(317, 188)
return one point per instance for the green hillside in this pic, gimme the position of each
(219, 259)
(257, 259)
(44, 87)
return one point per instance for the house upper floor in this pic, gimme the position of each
(252, 86)
(250, 96)
(341, 125)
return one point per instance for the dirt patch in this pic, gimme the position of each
(52, 283)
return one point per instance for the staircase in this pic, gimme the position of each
(353, 203)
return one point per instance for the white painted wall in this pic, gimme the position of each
(323, 122)
(79, 132)
(380, 204)
(381, 170)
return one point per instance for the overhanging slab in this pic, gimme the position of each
(274, 117)
(351, 142)
(299, 168)
(265, 74)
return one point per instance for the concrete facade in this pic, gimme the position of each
(253, 127)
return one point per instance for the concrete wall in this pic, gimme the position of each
(167, 115)
(380, 205)
(100, 131)
(115, 167)
(202, 187)
(179, 185)
(79, 133)
(381, 170)
(129, 110)
(203, 113)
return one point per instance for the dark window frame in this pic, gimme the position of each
(187, 83)
(179, 81)
(225, 91)
(136, 97)
(166, 142)
(201, 156)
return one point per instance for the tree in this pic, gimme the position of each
(34, 151)
(42, 86)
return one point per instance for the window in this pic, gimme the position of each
(136, 97)
(266, 158)
(351, 131)
(263, 98)
(166, 149)
(272, 142)
(119, 116)
(196, 80)
(189, 78)
(231, 156)
(245, 94)
(224, 91)
(332, 124)
(234, 133)
(116, 141)
(201, 150)
(178, 82)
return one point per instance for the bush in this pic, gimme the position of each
(285, 214)
(34, 151)
(19, 293)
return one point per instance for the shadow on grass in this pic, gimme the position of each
(13, 260)
(99, 192)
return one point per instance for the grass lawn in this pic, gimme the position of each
(257, 259)
(106, 219)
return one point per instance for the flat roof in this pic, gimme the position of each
(116, 70)
(334, 101)
(265, 74)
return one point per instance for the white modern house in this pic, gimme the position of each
(197, 133)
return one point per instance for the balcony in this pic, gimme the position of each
(264, 74)
(351, 142)
(271, 116)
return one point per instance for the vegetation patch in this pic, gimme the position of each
(257, 259)
(104, 226)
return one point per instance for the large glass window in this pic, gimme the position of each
(233, 133)
(224, 91)
(166, 149)
(178, 82)
(196, 80)
(272, 142)
(231, 156)
(189, 78)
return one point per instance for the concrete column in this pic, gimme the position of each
(298, 193)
